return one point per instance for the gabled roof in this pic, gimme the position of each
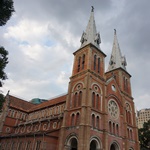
(29, 107)
(19, 103)
(51, 102)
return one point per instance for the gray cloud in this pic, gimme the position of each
(42, 54)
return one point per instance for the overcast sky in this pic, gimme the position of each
(42, 35)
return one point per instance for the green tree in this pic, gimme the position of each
(3, 63)
(144, 136)
(1, 101)
(6, 10)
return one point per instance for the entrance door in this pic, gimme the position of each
(74, 144)
(93, 145)
(114, 146)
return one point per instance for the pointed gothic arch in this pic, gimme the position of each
(98, 69)
(95, 143)
(71, 142)
(83, 61)
(95, 62)
(114, 146)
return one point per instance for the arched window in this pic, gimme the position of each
(73, 120)
(130, 134)
(93, 121)
(74, 144)
(98, 65)
(124, 82)
(38, 144)
(28, 145)
(19, 146)
(75, 99)
(97, 101)
(83, 61)
(80, 98)
(126, 85)
(79, 60)
(93, 99)
(77, 119)
(126, 115)
(97, 122)
(129, 117)
(113, 128)
(110, 129)
(13, 145)
(117, 129)
(94, 62)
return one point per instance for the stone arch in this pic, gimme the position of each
(95, 87)
(71, 142)
(114, 146)
(95, 143)
(76, 88)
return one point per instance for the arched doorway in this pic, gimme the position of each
(114, 146)
(73, 144)
(93, 145)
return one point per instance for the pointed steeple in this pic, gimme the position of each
(116, 60)
(91, 35)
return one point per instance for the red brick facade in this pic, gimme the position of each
(97, 113)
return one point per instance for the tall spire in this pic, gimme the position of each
(116, 60)
(91, 35)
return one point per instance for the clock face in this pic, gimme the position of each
(113, 109)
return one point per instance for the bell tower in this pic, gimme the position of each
(117, 67)
(85, 93)
(99, 112)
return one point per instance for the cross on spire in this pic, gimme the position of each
(92, 9)
(91, 35)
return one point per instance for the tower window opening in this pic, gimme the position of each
(97, 122)
(130, 134)
(79, 60)
(97, 101)
(117, 129)
(94, 62)
(113, 128)
(77, 119)
(83, 61)
(126, 85)
(80, 98)
(75, 99)
(93, 121)
(93, 99)
(98, 65)
(73, 120)
(110, 128)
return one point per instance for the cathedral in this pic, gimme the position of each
(97, 113)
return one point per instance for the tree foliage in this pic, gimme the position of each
(1, 101)
(144, 136)
(3, 63)
(6, 10)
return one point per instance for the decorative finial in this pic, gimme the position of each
(114, 31)
(92, 9)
